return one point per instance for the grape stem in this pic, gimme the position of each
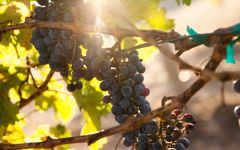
(182, 43)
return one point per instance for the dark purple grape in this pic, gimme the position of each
(107, 99)
(134, 58)
(124, 103)
(237, 86)
(140, 67)
(138, 78)
(179, 146)
(139, 89)
(140, 100)
(237, 111)
(126, 91)
(121, 118)
(71, 87)
(104, 85)
(117, 110)
(184, 141)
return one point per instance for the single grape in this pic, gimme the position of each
(124, 103)
(134, 58)
(145, 109)
(237, 111)
(128, 139)
(140, 100)
(107, 99)
(187, 117)
(40, 13)
(87, 74)
(71, 87)
(121, 118)
(117, 110)
(138, 78)
(126, 91)
(237, 86)
(146, 92)
(132, 70)
(127, 143)
(184, 141)
(179, 146)
(140, 67)
(139, 89)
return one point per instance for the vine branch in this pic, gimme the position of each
(182, 43)
(39, 91)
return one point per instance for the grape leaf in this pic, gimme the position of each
(12, 13)
(14, 133)
(186, 2)
(145, 11)
(89, 100)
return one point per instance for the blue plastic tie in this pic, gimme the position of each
(236, 28)
(230, 51)
(200, 39)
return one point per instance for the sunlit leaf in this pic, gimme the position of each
(14, 133)
(89, 100)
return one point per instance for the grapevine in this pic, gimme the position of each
(80, 57)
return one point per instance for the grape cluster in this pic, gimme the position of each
(176, 127)
(120, 73)
(61, 48)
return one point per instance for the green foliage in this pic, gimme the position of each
(184, 2)
(146, 13)
(90, 102)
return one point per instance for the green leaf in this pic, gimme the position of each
(145, 13)
(14, 133)
(63, 104)
(12, 13)
(8, 112)
(186, 2)
(89, 101)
